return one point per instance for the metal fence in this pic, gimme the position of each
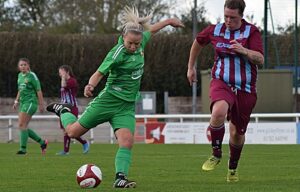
(161, 117)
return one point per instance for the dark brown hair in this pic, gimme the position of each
(24, 59)
(68, 69)
(235, 4)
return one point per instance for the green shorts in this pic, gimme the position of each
(108, 108)
(28, 107)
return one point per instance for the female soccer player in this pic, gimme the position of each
(116, 103)
(29, 95)
(238, 52)
(68, 93)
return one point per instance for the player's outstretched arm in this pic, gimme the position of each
(194, 52)
(93, 82)
(174, 22)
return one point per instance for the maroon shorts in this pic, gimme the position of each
(240, 103)
(74, 112)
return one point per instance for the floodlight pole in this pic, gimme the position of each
(296, 54)
(266, 35)
(194, 98)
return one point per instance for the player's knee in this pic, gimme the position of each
(126, 142)
(218, 117)
(72, 134)
(22, 125)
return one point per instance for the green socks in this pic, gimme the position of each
(67, 118)
(23, 140)
(123, 160)
(35, 137)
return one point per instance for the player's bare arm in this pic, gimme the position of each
(16, 102)
(41, 100)
(174, 22)
(63, 81)
(194, 52)
(93, 82)
(254, 56)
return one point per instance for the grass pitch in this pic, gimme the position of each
(166, 168)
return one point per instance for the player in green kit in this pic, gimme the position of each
(29, 97)
(116, 102)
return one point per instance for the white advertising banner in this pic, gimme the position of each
(271, 133)
(257, 133)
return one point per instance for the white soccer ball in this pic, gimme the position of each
(89, 176)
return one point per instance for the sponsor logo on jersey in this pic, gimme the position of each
(241, 36)
(116, 88)
(222, 45)
(22, 86)
(137, 74)
(132, 58)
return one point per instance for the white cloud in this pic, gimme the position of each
(283, 12)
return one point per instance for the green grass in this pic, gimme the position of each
(167, 168)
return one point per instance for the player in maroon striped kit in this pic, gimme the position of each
(68, 92)
(238, 52)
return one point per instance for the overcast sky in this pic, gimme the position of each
(283, 11)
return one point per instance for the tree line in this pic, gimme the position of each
(80, 33)
(166, 58)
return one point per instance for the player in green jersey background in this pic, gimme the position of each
(30, 97)
(116, 102)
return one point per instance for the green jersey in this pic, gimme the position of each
(28, 85)
(125, 70)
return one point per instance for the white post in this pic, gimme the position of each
(112, 135)
(9, 130)
(92, 136)
(181, 119)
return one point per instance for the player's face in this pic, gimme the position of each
(132, 41)
(62, 72)
(233, 20)
(23, 66)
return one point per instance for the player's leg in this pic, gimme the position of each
(75, 130)
(236, 143)
(217, 131)
(123, 158)
(240, 117)
(221, 99)
(67, 141)
(69, 121)
(85, 144)
(43, 143)
(125, 136)
(24, 118)
(217, 128)
(30, 109)
(97, 112)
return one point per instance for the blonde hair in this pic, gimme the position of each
(131, 22)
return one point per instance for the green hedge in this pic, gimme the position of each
(165, 67)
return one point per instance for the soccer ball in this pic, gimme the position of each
(89, 176)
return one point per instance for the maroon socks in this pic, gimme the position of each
(217, 134)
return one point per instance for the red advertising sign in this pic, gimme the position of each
(154, 132)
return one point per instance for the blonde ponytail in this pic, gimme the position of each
(132, 22)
